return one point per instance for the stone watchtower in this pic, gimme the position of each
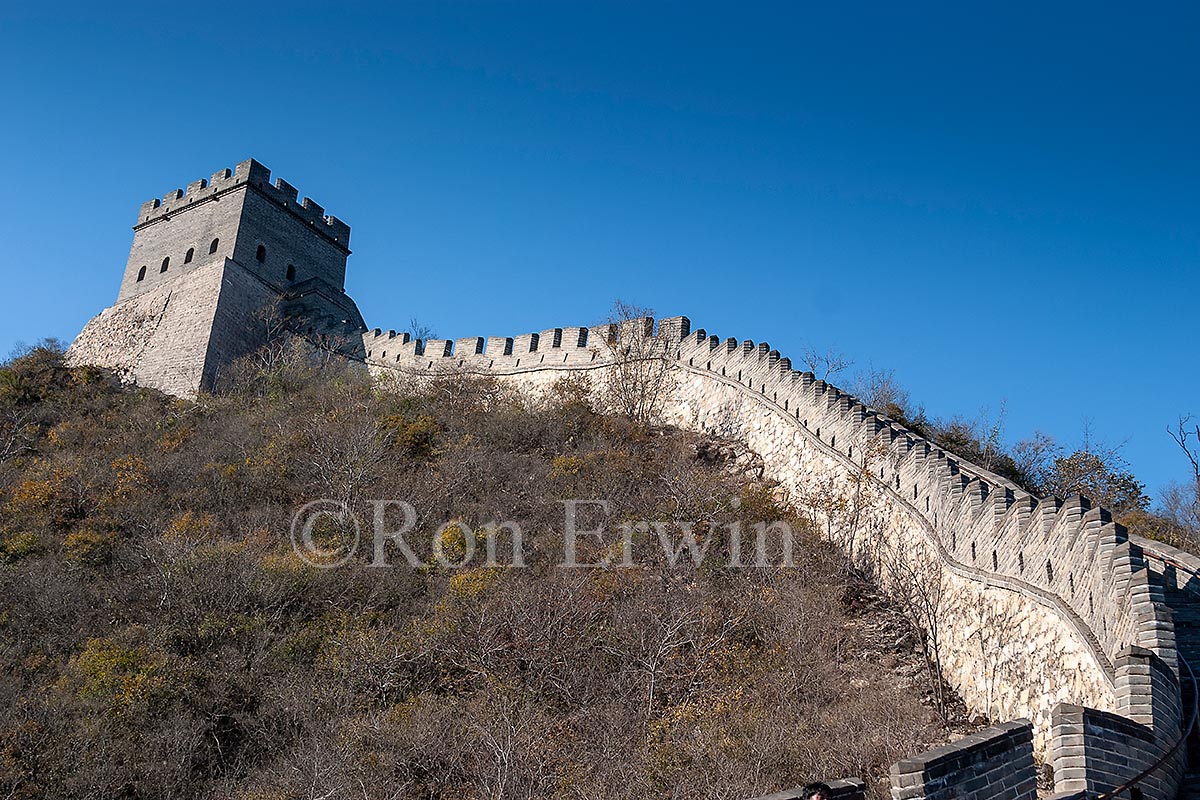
(208, 268)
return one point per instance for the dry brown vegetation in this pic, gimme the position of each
(160, 639)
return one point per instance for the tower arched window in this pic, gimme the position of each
(142, 274)
(260, 255)
(166, 263)
(212, 248)
(291, 272)
(187, 259)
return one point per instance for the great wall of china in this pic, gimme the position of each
(1045, 611)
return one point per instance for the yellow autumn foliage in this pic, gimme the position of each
(116, 675)
(89, 545)
(192, 527)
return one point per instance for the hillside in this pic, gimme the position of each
(163, 638)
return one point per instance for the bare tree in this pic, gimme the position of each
(638, 383)
(17, 431)
(344, 449)
(991, 430)
(848, 508)
(855, 515)
(419, 330)
(825, 365)
(992, 630)
(280, 352)
(916, 580)
(1034, 458)
(1181, 501)
(879, 389)
(1189, 443)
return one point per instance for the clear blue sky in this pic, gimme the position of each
(999, 202)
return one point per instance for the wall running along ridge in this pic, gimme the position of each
(1039, 608)
(1043, 605)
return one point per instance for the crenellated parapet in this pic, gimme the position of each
(1059, 548)
(1064, 551)
(248, 173)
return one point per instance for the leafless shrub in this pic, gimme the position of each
(639, 381)
(419, 330)
(825, 365)
(880, 389)
(1181, 501)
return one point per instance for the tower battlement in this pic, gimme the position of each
(240, 215)
(249, 173)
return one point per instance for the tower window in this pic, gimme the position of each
(166, 263)
(212, 248)
(187, 259)
(142, 274)
(260, 255)
(291, 272)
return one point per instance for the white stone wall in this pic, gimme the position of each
(1038, 596)
(1008, 654)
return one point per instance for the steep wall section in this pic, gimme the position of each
(158, 338)
(1040, 600)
